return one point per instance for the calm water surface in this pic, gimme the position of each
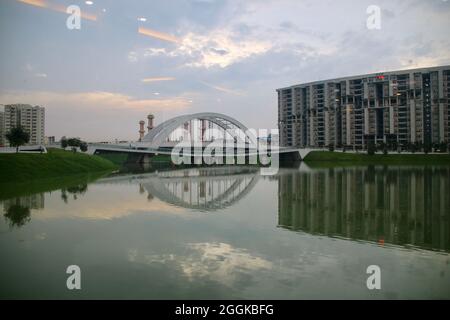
(231, 233)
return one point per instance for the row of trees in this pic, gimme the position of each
(441, 147)
(394, 146)
(74, 143)
(18, 137)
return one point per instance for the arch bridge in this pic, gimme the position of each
(161, 139)
(160, 135)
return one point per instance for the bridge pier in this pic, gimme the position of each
(290, 157)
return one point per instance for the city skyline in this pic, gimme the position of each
(196, 56)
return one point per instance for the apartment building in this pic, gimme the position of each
(2, 128)
(403, 106)
(32, 119)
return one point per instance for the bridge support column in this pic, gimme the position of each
(138, 158)
(290, 157)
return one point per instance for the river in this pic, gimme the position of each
(231, 233)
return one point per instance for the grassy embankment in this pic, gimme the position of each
(21, 167)
(328, 157)
(121, 159)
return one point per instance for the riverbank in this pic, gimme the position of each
(23, 167)
(328, 156)
(121, 159)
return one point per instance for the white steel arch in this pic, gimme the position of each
(160, 133)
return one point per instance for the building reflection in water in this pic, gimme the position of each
(396, 205)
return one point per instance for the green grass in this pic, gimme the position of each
(342, 157)
(121, 158)
(118, 158)
(21, 167)
(161, 158)
(22, 188)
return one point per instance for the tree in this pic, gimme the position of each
(427, 147)
(371, 148)
(83, 146)
(394, 146)
(17, 137)
(74, 143)
(443, 147)
(64, 142)
(382, 146)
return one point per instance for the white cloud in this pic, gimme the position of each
(219, 48)
(132, 56)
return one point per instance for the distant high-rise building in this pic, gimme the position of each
(2, 128)
(49, 140)
(402, 106)
(31, 119)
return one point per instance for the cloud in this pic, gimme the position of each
(218, 48)
(31, 70)
(156, 79)
(157, 35)
(222, 89)
(99, 100)
(98, 115)
(57, 8)
(132, 56)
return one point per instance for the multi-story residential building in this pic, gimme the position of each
(403, 106)
(49, 140)
(32, 119)
(2, 128)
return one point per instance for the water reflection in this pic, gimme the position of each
(74, 191)
(394, 205)
(397, 205)
(202, 189)
(151, 227)
(17, 211)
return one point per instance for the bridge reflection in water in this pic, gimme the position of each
(204, 189)
(397, 205)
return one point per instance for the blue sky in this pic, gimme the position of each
(228, 57)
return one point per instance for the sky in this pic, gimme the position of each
(173, 57)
